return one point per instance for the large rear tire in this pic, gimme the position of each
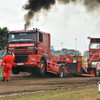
(61, 72)
(42, 68)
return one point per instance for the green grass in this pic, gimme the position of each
(77, 94)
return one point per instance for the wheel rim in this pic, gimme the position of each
(61, 73)
(42, 67)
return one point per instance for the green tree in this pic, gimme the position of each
(3, 37)
(65, 50)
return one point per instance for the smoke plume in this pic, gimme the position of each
(35, 6)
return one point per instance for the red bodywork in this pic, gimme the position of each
(93, 60)
(66, 58)
(36, 51)
(94, 53)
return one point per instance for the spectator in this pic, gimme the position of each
(7, 60)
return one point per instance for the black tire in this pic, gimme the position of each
(15, 71)
(42, 68)
(61, 72)
(97, 74)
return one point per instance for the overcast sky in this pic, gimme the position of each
(63, 22)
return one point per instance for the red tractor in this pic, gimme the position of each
(94, 56)
(32, 52)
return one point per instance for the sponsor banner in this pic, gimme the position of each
(21, 45)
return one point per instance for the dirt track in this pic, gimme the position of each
(26, 83)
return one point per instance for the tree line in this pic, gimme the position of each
(65, 51)
(3, 37)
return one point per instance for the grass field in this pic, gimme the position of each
(76, 94)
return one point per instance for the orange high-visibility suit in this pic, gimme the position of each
(8, 60)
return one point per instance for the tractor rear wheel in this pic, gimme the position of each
(61, 72)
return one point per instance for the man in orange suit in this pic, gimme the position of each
(7, 62)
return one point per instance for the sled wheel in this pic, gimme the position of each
(61, 72)
(97, 73)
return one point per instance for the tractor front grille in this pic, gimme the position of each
(21, 58)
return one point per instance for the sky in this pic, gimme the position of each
(69, 25)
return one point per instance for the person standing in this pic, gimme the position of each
(7, 62)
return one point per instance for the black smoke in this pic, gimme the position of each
(35, 6)
(92, 5)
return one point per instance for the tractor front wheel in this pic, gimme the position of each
(42, 68)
